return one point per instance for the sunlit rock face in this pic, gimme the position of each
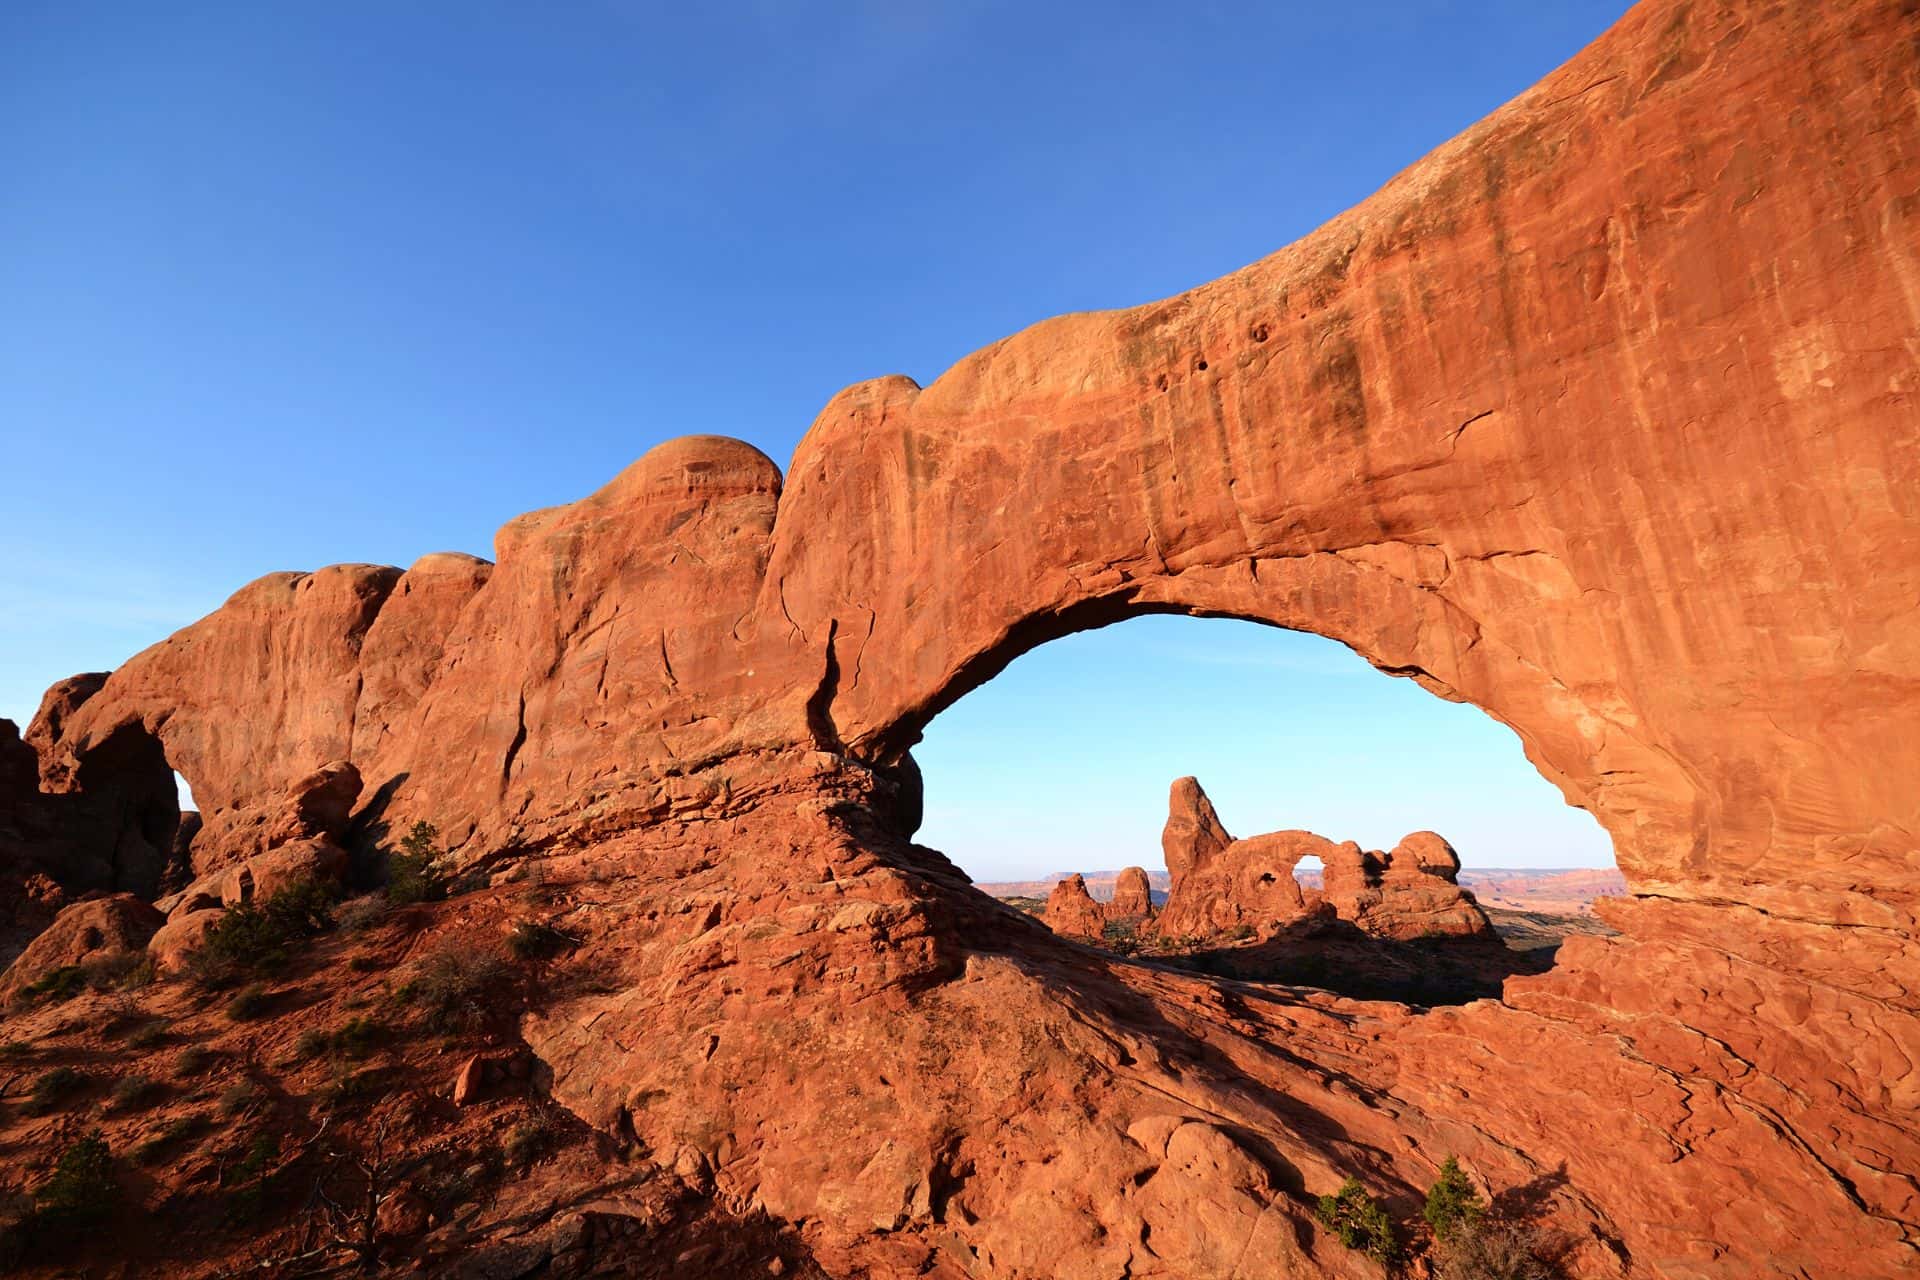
(1602, 417)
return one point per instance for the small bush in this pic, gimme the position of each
(347, 1085)
(529, 1141)
(357, 1037)
(1360, 1222)
(175, 1132)
(455, 989)
(134, 1093)
(54, 1088)
(365, 964)
(14, 1049)
(192, 1060)
(239, 1098)
(411, 874)
(1452, 1202)
(149, 1035)
(1480, 1249)
(361, 914)
(248, 1003)
(81, 1191)
(531, 941)
(311, 1044)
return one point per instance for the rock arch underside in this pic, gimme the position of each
(1602, 417)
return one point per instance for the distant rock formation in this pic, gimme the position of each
(1221, 884)
(1074, 912)
(1132, 896)
(1071, 910)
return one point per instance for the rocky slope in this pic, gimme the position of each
(1602, 417)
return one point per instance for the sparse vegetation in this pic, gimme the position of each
(1360, 1222)
(530, 1140)
(134, 1092)
(531, 940)
(53, 1088)
(455, 989)
(192, 1060)
(175, 1131)
(250, 1002)
(149, 1035)
(411, 873)
(1452, 1203)
(1482, 1249)
(362, 913)
(119, 971)
(239, 1098)
(311, 1044)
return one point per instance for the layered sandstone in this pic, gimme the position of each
(1601, 417)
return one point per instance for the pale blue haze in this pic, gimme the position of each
(294, 283)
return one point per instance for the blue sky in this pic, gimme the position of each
(286, 285)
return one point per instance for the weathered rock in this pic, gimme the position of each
(1071, 910)
(318, 805)
(1411, 892)
(276, 870)
(85, 932)
(184, 933)
(1602, 418)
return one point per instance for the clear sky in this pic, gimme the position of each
(283, 285)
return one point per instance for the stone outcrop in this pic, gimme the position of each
(1602, 417)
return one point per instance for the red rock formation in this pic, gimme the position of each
(1248, 886)
(1072, 912)
(1602, 417)
(1132, 896)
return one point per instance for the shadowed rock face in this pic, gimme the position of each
(1601, 417)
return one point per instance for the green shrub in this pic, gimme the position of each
(455, 989)
(248, 1003)
(53, 1088)
(134, 1093)
(529, 1141)
(16, 1049)
(1360, 1222)
(365, 964)
(311, 1043)
(531, 941)
(1451, 1202)
(259, 937)
(81, 1191)
(238, 1098)
(411, 874)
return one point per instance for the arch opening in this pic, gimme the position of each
(131, 832)
(1324, 768)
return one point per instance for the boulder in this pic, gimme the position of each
(174, 943)
(83, 933)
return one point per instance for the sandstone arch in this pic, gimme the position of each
(1602, 417)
